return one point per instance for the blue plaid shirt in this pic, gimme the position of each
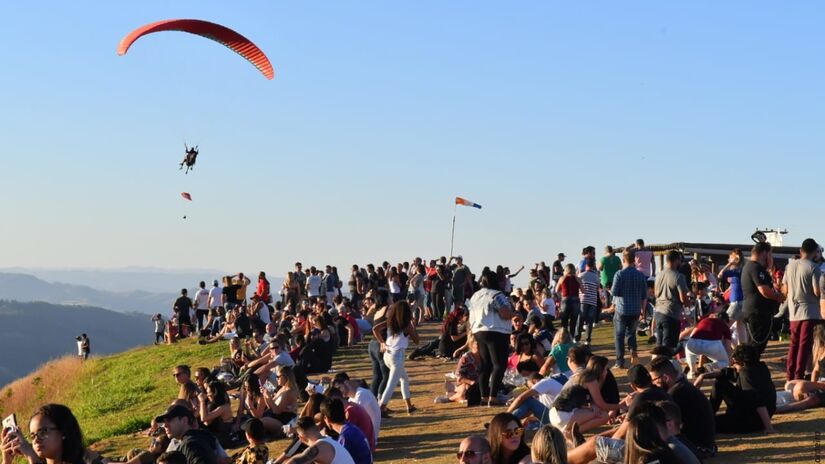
(629, 289)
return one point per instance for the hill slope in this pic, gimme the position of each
(33, 333)
(24, 287)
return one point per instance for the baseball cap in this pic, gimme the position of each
(175, 411)
(562, 255)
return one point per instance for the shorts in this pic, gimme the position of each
(609, 450)
(736, 311)
(559, 419)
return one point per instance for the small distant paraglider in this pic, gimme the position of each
(186, 196)
(189, 158)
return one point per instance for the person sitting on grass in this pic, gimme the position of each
(172, 457)
(747, 390)
(350, 436)
(581, 401)
(562, 342)
(257, 451)
(320, 449)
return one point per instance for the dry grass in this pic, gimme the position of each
(51, 382)
(432, 434)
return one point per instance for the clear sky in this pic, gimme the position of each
(572, 123)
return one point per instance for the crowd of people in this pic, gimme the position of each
(528, 352)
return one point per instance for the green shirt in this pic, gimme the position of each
(610, 265)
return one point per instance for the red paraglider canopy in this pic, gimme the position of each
(221, 34)
(186, 195)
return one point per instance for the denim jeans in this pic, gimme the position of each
(395, 362)
(380, 371)
(585, 323)
(534, 406)
(625, 327)
(667, 331)
(570, 309)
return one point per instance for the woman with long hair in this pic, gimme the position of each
(215, 412)
(394, 282)
(490, 314)
(55, 439)
(506, 437)
(453, 332)
(644, 443)
(548, 446)
(568, 287)
(282, 404)
(399, 332)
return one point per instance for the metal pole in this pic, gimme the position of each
(452, 234)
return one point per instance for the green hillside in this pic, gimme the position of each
(112, 395)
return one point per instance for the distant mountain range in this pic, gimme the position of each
(125, 279)
(23, 287)
(33, 333)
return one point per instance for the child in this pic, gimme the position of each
(256, 452)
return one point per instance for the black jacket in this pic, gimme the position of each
(199, 447)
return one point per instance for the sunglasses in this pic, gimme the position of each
(470, 454)
(508, 434)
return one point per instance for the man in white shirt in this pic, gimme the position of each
(201, 304)
(361, 396)
(313, 284)
(538, 399)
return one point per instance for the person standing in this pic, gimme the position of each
(399, 331)
(201, 304)
(461, 277)
(645, 261)
(568, 287)
(182, 308)
(629, 299)
(589, 295)
(331, 284)
(732, 274)
(262, 290)
(159, 326)
(558, 267)
(490, 314)
(671, 296)
(760, 299)
(608, 266)
(801, 287)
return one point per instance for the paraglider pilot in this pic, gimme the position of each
(190, 158)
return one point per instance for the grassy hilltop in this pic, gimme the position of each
(116, 396)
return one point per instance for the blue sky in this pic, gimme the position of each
(572, 123)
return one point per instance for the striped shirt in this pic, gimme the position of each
(589, 293)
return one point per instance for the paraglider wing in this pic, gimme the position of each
(221, 34)
(186, 195)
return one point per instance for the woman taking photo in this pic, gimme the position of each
(506, 437)
(399, 331)
(490, 314)
(56, 439)
(281, 404)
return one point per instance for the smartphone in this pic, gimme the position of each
(269, 387)
(10, 423)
